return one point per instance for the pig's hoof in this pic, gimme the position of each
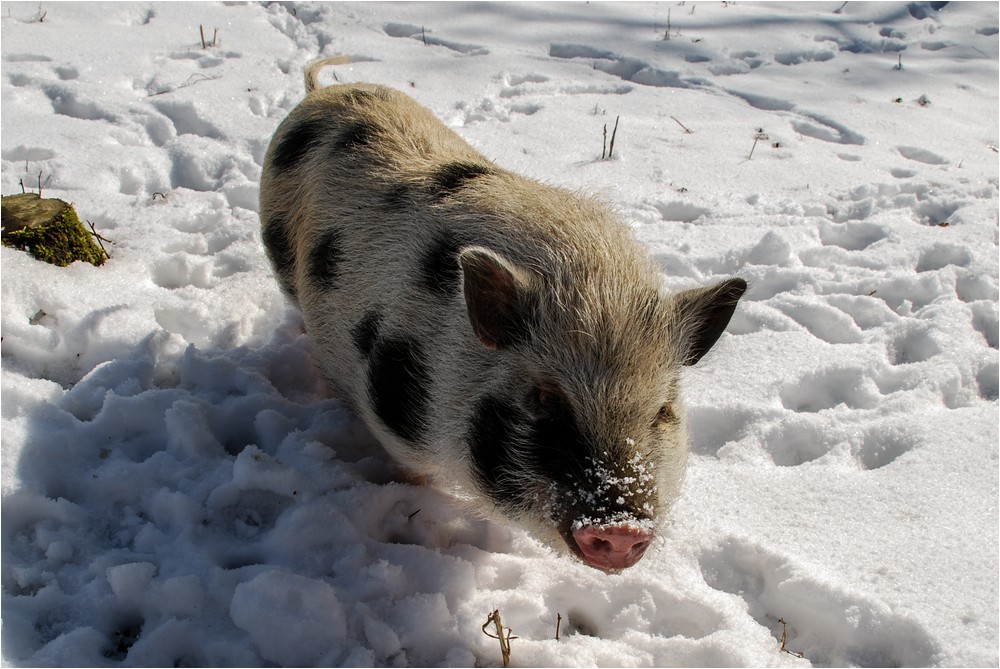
(611, 547)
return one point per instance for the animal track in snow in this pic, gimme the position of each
(988, 381)
(180, 270)
(624, 67)
(881, 444)
(826, 129)
(830, 388)
(679, 211)
(928, 205)
(921, 155)
(842, 627)
(617, 615)
(206, 59)
(712, 427)
(21, 152)
(67, 72)
(851, 236)
(943, 255)
(802, 438)
(973, 287)
(187, 120)
(530, 77)
(858, 45)
(26, 58)
(985, 321)
(798, 439)
(798, 56)
(536, 84)
(419, 33)
(66, 103)
(867, 311)
(821, 320)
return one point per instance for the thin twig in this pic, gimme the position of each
(201, 29)
(759, 135)
(558, 622)
(784, 633)
(504, 639)
(611, 147)
(604, 147)
(100, 239)
(190, 81)
(686, 129)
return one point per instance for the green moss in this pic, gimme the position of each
(48, 229)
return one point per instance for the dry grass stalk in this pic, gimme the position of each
(503, 635)
(784, 633)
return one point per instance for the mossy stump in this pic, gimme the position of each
(48, 229)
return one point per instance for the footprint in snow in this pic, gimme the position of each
(67, 102)
(851, 236)
(407, 30)
(32, 153)
(828, 389)
(821, 320)
(206, 59)
(919, 155)
(830, 625)
(187, 120)
(985, 321)
(616, 614)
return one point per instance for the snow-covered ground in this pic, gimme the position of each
(179, 490)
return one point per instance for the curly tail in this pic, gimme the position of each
(313, 68)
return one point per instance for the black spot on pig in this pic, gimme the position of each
(275, 234)
(495, 434)
(365, 332)
(399, 386)
(355, 135)
(450, 177)
(560, 446)
(398, 198)
(439, 271)
(325, 259)
(296, 142)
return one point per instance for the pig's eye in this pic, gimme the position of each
(664, 417)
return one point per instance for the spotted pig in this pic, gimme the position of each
(505, 338)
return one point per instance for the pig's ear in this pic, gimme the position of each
(498, 296)
(703, 313)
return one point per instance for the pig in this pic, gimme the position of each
(506, 339)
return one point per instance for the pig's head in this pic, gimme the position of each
(580, 432)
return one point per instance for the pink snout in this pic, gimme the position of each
(612, 547)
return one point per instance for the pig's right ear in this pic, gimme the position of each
(498, 296)
(704, 313)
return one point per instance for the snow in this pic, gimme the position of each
(180, 490)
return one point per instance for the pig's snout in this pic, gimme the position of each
(611, 547)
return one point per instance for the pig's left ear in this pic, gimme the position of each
(498, 296)
(702, 314)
